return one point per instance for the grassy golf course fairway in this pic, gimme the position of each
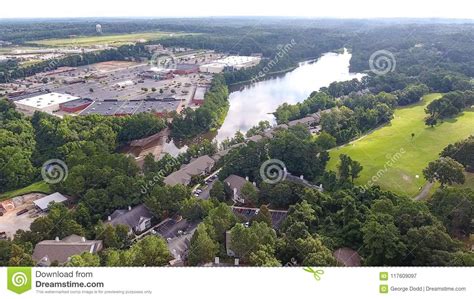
(377, 148)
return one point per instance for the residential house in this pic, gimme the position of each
(60, 251)
(307, 121)
(301, 181)
(255, 138)
(277, 216)
(234, 183)
(199, 166)
(137, 219)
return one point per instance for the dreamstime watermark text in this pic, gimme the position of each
(392, 159)
(282, 52)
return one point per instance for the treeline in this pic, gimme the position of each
(12, 70)
(190, 123)
(315, 102)
(21, 31)
(301, 154)
(26, 143)
(449, 105)
(463, 152)
(419, 49)
(435, 80)
(349, 116)
(17, 144)
(282, 47)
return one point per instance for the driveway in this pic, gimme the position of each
(205, 194)
(178, 246)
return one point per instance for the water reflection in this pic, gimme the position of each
(170, 147)
(253, 103)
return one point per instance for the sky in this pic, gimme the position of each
(460, 9)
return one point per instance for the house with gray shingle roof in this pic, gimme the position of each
(60, 251)
(137, 219)
(198, 166)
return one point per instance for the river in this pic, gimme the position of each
(253, 103)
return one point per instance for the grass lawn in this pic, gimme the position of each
(112, 40)
(469, 181)
(42, 187)
(377, 148)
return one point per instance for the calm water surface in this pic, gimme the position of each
(256, 102)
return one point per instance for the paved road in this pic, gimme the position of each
(205, 191)
(424, 191)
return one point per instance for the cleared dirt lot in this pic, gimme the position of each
(10, 222)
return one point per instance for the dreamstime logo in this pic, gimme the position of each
(54, 171)
(273, 171)
(163, 60)
(382, 62)
(19, 279)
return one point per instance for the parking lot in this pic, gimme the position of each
(177, 234)
(278, 216)
(119, 80)
(171, 228)
(202, 192)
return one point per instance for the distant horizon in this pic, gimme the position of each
(342, 9)
(240, 17)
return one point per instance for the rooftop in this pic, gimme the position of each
(48, 251)
(47, 100)
(200, 92)
(235, 181)
(76, 103)
(43, 203)
(237, 60)
(195, 167)
(130, 218)
(116, 107)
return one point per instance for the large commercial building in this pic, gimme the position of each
(75, 106)
(48, 103)
(160, 107)
(199, 93)
(230, 63)
(185, 69)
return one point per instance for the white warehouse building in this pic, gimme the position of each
(48, 103)
(232, 62)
